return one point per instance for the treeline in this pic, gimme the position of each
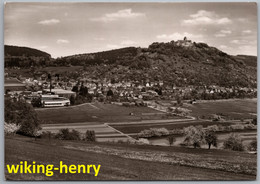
(198, 135)
(27, 61)
(119, 56)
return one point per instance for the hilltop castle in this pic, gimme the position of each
(185, 42)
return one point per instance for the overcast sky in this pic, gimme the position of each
(63, 29)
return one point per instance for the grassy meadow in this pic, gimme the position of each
(129, 162)
(97, 112)
(230, 109)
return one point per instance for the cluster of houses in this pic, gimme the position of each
(28, 88)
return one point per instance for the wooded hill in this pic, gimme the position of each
(184, 62)
(24, 51)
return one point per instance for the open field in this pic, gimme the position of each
(113, 122)
(98, 117)
(96, 112)
(129, 162)
(229, 109)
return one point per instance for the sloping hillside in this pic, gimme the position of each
(159, 52)
(177, 63)
(24, 51)
(25, 57)
(247, 60)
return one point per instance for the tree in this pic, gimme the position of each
(66, 134)
(36, 102)
(83, 91)
(253, 145)
(179, 100)
(171, 140)
(159, 91)
(234, 142)
(75, 89)
(110, 93)
(7, 91)
(90, 135)
(210, 138)
(57, 76)
(72, 100)
(23, 114)
(194, 135)
(254, 121)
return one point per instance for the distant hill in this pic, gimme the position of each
(181, 63)
(25, 57)
(175, 51)
(177, 63)
(105, 57)
(24, 51)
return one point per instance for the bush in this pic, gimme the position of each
(65, 134)
(213, 128)
(23, 114)
(237, 127)
(90, 136)
(36, 102)
(11, 128)
(254, 121)
(249, 126)
(81, 99)
(126, 104)
(143, 141)
(233, 142)
(160, 131)
(47, 134)
(182, 111)
(153, 132)
(176, 131)
(253, 145)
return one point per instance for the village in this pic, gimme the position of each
(109, 90)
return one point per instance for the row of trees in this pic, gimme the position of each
(66, 134)
(196, 135)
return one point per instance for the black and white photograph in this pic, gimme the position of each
(130, 91)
